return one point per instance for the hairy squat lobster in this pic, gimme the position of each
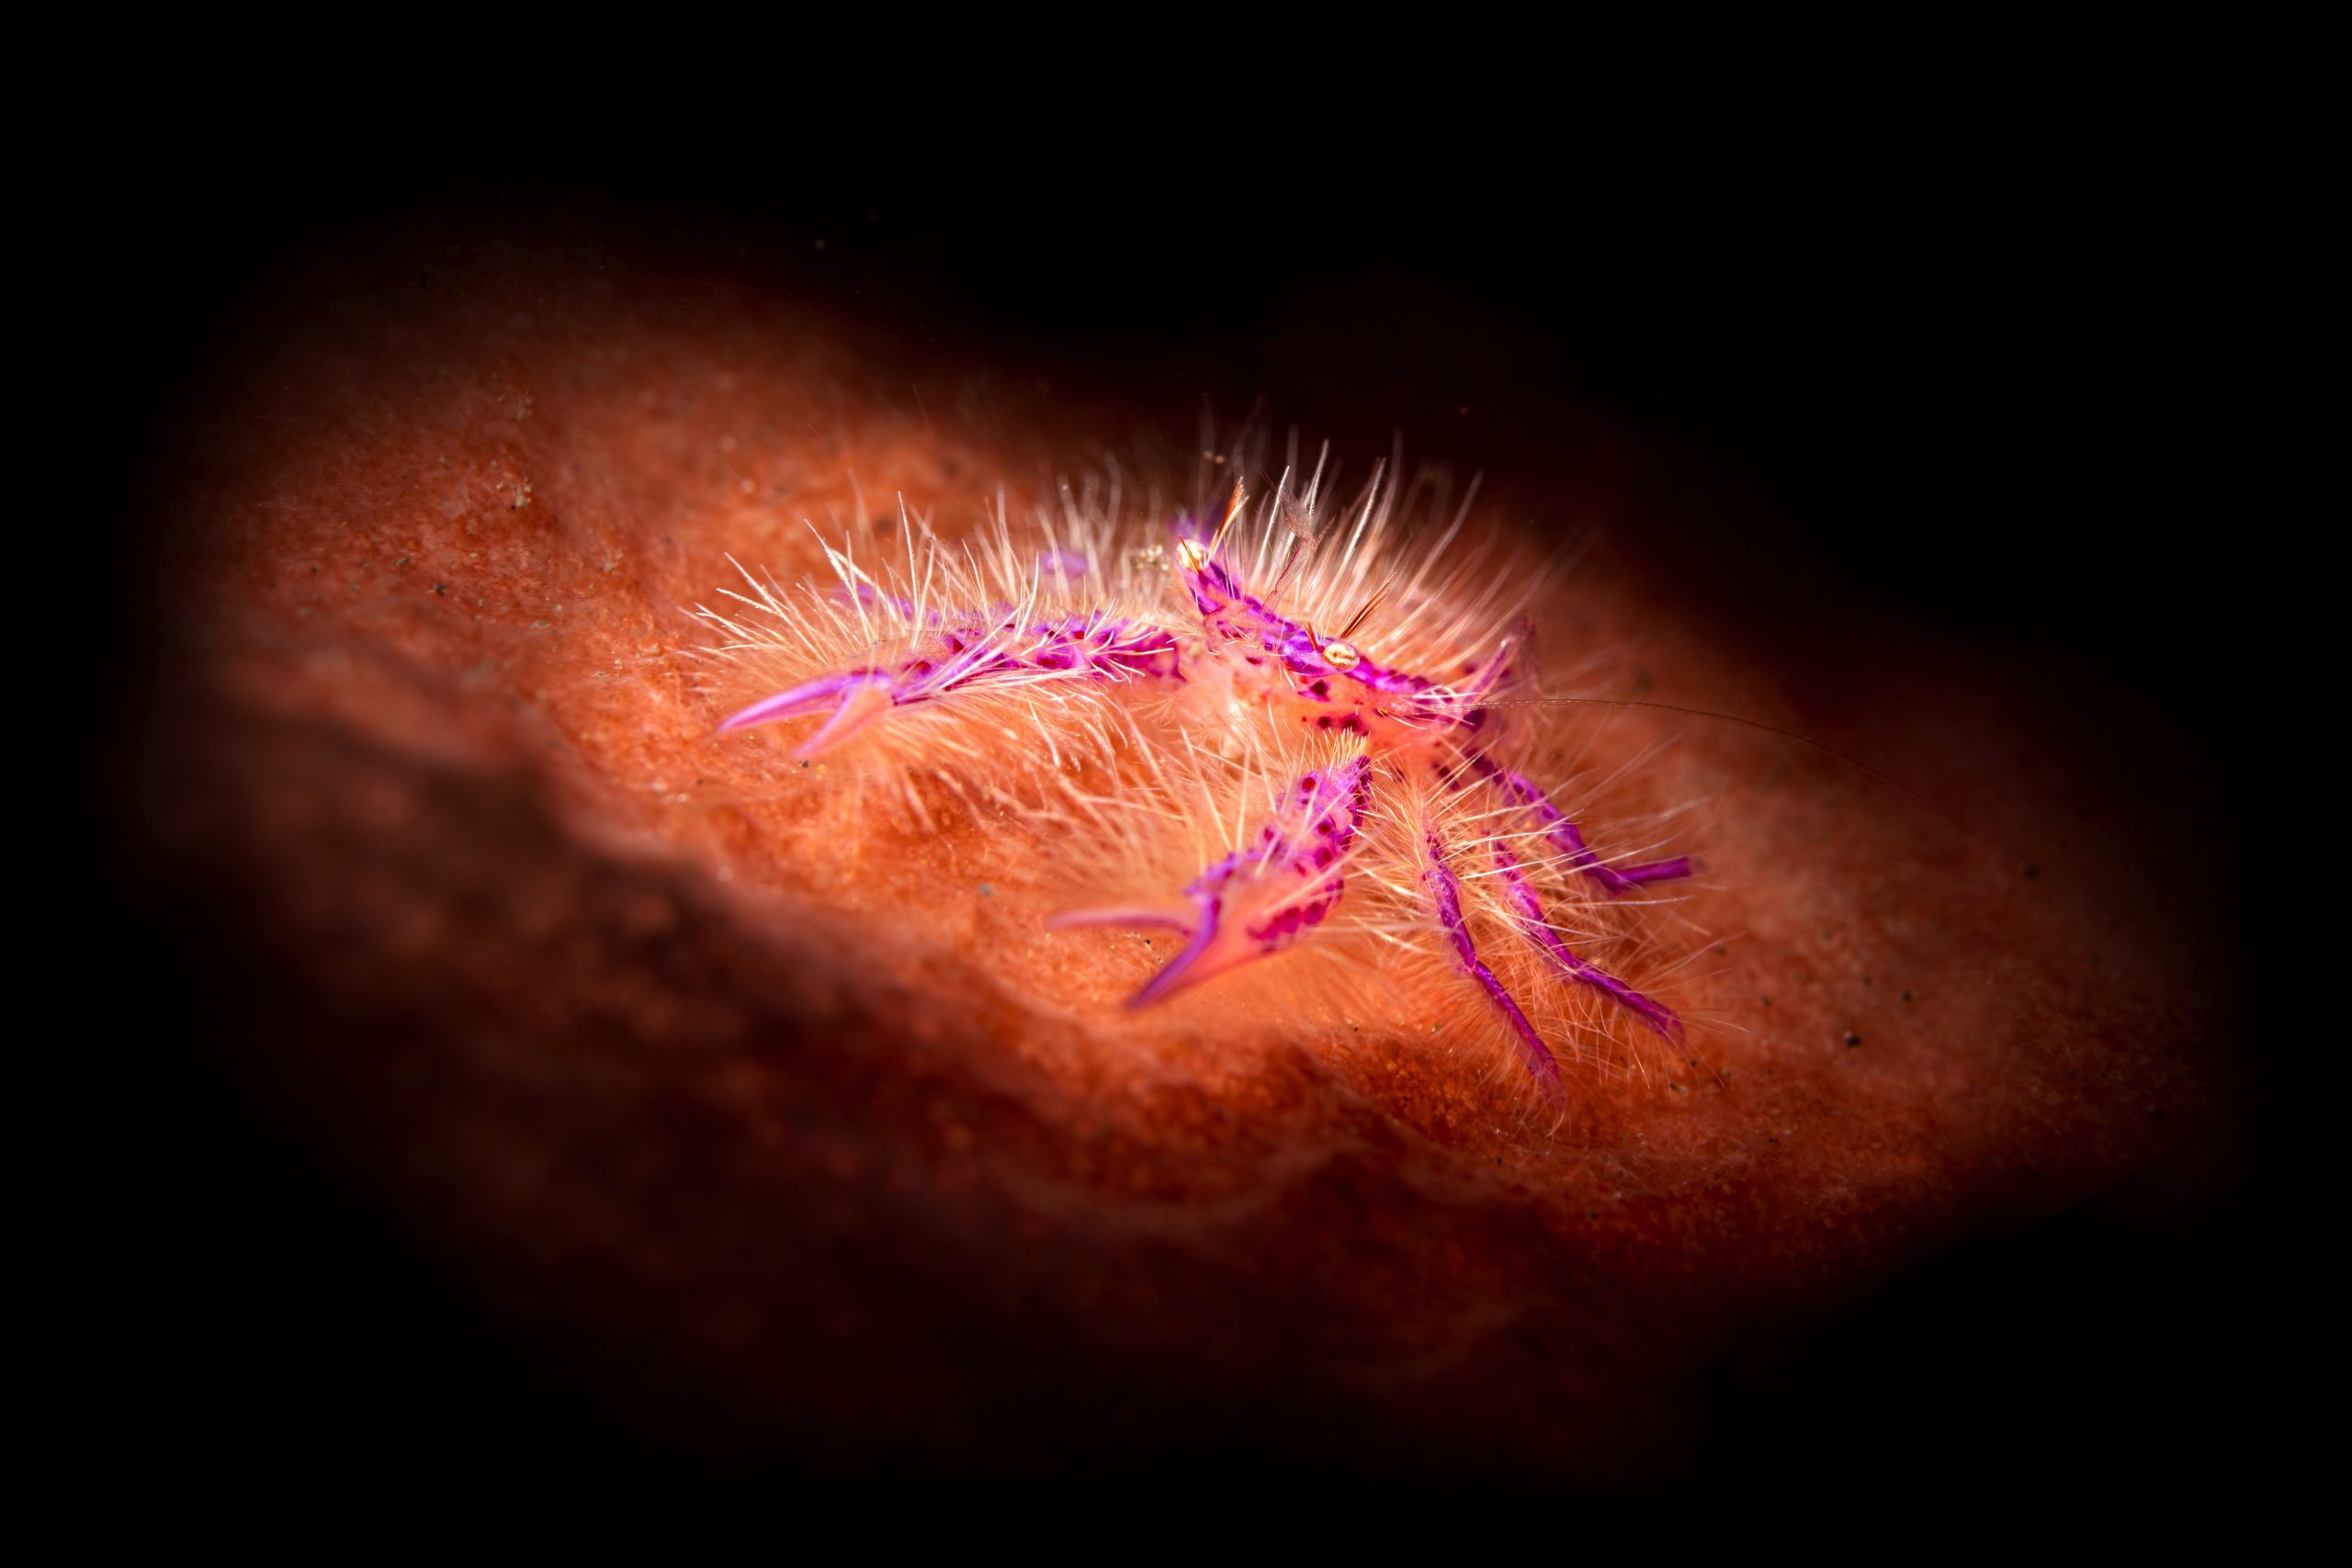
(1078, 620)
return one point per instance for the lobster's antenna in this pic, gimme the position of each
(1302, 527)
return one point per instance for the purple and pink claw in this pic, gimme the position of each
(1203, 958)
(856, 700)
(1257, 902)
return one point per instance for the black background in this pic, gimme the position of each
(1987, 371)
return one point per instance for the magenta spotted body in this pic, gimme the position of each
(1270, 892)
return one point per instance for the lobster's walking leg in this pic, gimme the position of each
(1569, 836)
(1445, 893)
(1538, 929)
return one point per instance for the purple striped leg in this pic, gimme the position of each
(1445, 892)
(1537, 926)
(1569, 837)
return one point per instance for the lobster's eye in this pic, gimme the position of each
(1192, 554)
(1341, 655)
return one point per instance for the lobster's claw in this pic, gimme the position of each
(860, 698)
(1258, 901)
(1215, 944)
